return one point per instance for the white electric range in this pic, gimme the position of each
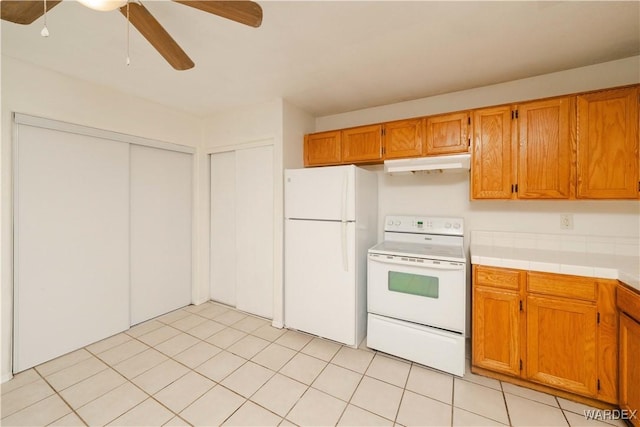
(416, 291)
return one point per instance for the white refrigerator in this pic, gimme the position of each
(331, 220)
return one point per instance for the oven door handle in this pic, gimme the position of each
(441, 265)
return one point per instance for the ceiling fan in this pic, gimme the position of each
(245, 12)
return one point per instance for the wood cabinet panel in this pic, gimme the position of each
(403, 139)
(496, 335)
(563, 329)
(629, 391)
(561, 285)
(561, 344)
(447, 134)
(544, 149)
(362, 144)
(607, 347)
(323, 148)
(497, 278)
(492, 166)
(607, 139)
(628, 302)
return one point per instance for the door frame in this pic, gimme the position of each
(278, 221)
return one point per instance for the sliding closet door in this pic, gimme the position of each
(71, 242)
(161, 215)
(254, 230)
(242, 229)
(223, 228)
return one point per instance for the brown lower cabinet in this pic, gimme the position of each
(629, 306)
(553, 330)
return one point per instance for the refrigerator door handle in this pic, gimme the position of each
(345, 189)
(345, 257)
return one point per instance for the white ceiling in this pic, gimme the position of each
(330, 57)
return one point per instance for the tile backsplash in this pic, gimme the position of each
(556, 242)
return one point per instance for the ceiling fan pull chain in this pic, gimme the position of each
(45, 30)
(128, 30)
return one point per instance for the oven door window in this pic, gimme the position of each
(414, 284)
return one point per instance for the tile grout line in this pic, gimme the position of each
(73, 411)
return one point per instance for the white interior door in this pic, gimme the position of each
(242, 229)
(254, 230)
(222, 261)
(161, 215)
(71, 272)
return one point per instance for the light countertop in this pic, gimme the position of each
(602, 257)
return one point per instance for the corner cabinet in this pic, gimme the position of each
(628, 303)
(607, 136)
(554, 330)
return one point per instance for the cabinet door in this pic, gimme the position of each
(447, 134)
(491, 168)
(544, 151)
(322, 148)
(561, 344)
(608, 145)
(403, 139)
(362, 144)
(629, 392)
(496, 331)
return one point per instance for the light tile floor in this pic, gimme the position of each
(213, 365)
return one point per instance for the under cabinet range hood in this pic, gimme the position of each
(431, 164)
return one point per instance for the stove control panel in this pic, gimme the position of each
(424, 225)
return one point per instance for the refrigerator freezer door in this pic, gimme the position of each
(320, 294)
(320, 193)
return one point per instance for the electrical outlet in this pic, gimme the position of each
(566, 222)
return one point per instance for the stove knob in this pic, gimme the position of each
(456, 226)
(390, 222)
(397, 222)
(447, 225)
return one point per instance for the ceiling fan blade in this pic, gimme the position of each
(151, 29)
(244, 12)
(24, 12)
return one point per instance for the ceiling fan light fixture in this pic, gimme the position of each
(103, 5)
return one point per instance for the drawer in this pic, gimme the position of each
(629, 302)
(503, 278)
(561, 285)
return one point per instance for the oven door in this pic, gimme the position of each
(417, 290)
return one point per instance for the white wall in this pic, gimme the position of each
(449, 194)
(32, 90)
(285, 125)
(242, 127)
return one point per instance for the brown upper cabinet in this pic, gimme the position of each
(492, 162)
(362, 144)
(523, 151)
(403, 138)
(323, 148)
(447, 134)
(607, 135)
(583, 146)
(544, 149)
